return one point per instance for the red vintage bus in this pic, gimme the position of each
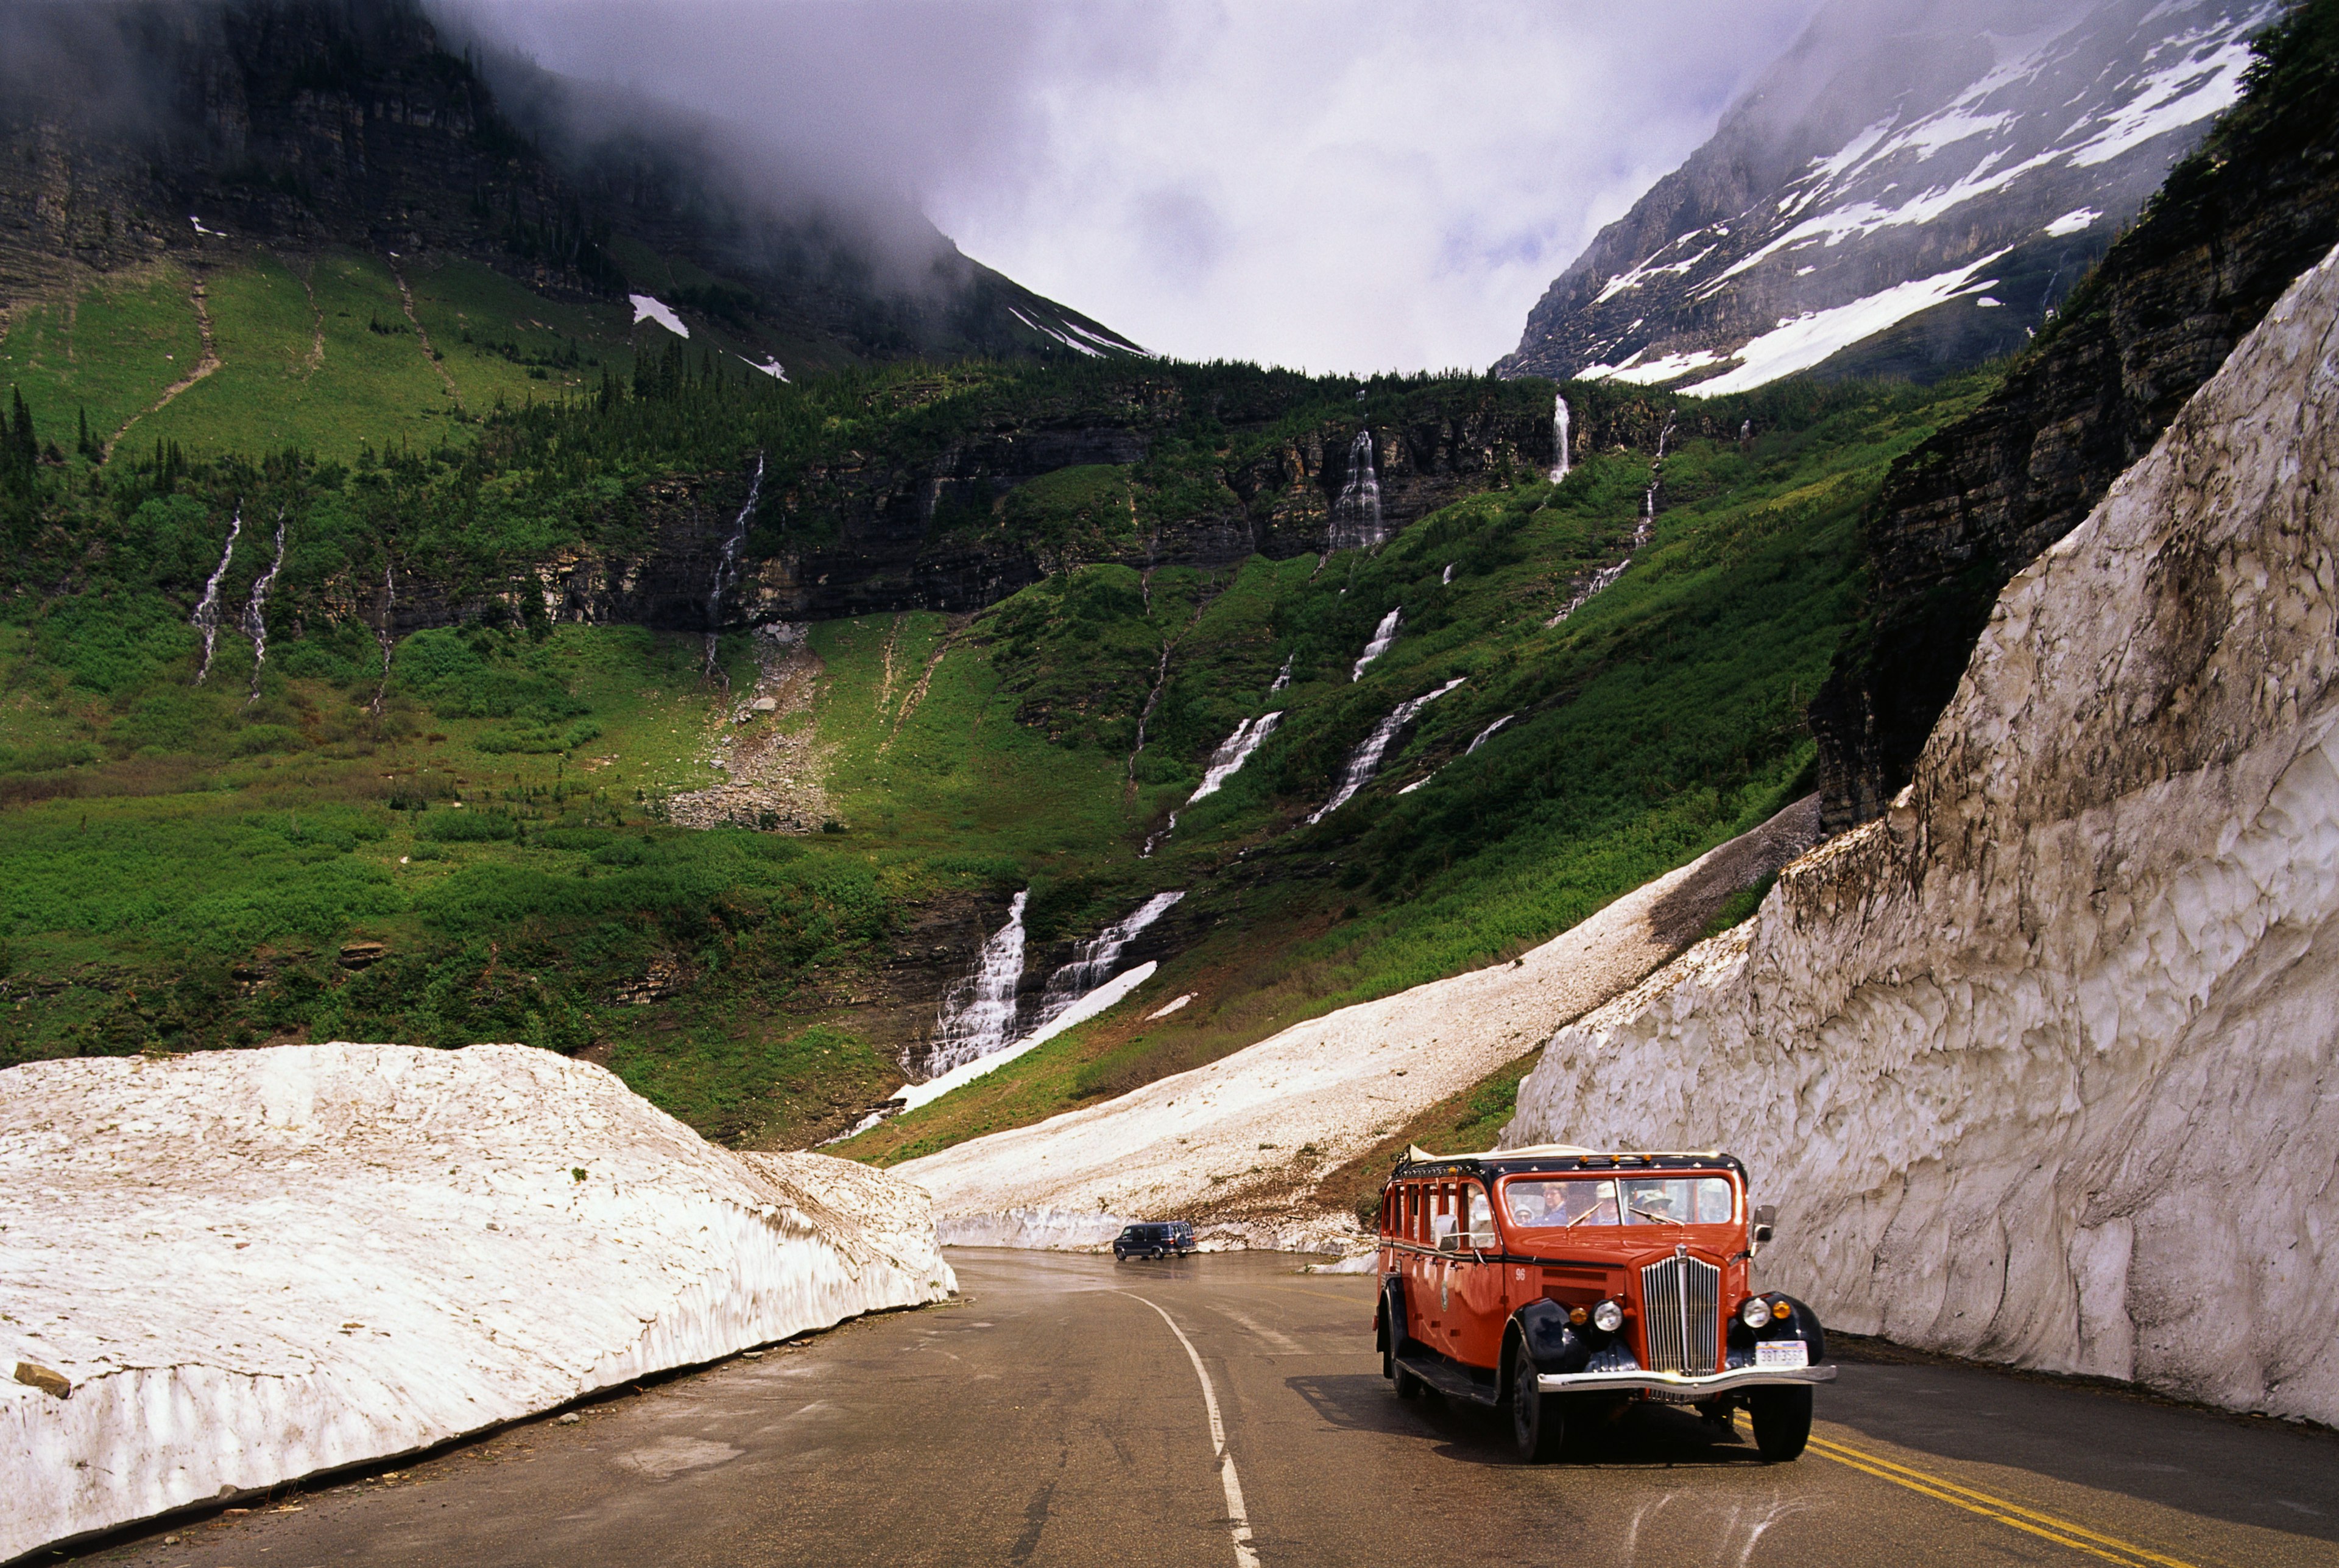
(1564, 1283)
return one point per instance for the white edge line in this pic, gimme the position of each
(1238, 1519)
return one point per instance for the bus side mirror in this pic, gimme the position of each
(1766, 1219)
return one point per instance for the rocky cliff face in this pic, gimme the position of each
(1912, 188)
(1964, 512)
(860, 533)
(2037, 1068)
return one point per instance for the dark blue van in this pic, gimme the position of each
(1166, 1238)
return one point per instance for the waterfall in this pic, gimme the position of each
(1642, 530)
(1477, 741)
(1093, 960)
(1745, 433)
(978, 1012)
(1600, 579)
(1365, 760)
(1448, 577)
(206, 618)
(1356, 515)
(255, 612)
(1561, 463)
(1282, 676)
(1233, 752)
(726, 564)
(1383, 635)
(383, 632)
(1649, 497)
(1485, 733)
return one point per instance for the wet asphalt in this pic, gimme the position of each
(1051, 1416)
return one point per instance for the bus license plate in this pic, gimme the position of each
(1782, 1352)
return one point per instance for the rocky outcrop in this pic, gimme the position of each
(1968, 508)
(252, 1266)
(2038, 1068)
(907, 527)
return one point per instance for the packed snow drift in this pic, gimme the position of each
(2041, 1067)
(249, 1265)
(1238, 1144)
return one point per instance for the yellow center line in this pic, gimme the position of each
(2062, 1532)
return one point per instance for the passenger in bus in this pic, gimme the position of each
(1592, 1203)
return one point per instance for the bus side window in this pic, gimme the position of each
(1441, 1224)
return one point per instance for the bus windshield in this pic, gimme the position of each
(1581, 1201)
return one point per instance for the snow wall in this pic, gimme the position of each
(256, 1265)
(2041, 1068)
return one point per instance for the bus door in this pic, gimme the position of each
(1474, 1282)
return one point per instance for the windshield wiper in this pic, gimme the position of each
(1657, 1219)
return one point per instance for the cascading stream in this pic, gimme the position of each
(206, 618)
(1383, 635)
(1476, 740)
(383, 634)
(1356, 515)
(1235, 750)
(726, 566)
(1094, 960)
(1365, 760)
(1563, 459)
(1486, 734)
(978, 1012)
(1282, 676)
(255, 611)
(1641, 532)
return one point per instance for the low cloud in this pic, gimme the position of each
(1336, 187)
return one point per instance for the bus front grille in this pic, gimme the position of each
(1680, 1306)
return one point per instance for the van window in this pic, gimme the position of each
(1481, 1213)
(1441, 1224)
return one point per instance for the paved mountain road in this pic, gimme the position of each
(1054, 1416)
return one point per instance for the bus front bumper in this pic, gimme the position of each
(1680, 1384)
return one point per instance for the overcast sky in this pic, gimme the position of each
(1336, 187)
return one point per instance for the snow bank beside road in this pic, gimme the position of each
(256, 1265)
(2041, 1068)
(1238, 1145)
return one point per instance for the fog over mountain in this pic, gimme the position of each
(1314, 185)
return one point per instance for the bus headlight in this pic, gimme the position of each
(1607, 1317)
(1755, 1313)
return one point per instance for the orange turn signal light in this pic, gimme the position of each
(1780, 1311)
(1578, 1315)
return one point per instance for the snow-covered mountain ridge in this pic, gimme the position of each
(1912, 204)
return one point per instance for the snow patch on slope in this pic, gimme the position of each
(256, 1265)
(646, 308)
(1811, 340)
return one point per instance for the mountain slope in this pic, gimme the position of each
(133, 132)
(1919, 198)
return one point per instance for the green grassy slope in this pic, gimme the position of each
(1659, 719)
(184, 863)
